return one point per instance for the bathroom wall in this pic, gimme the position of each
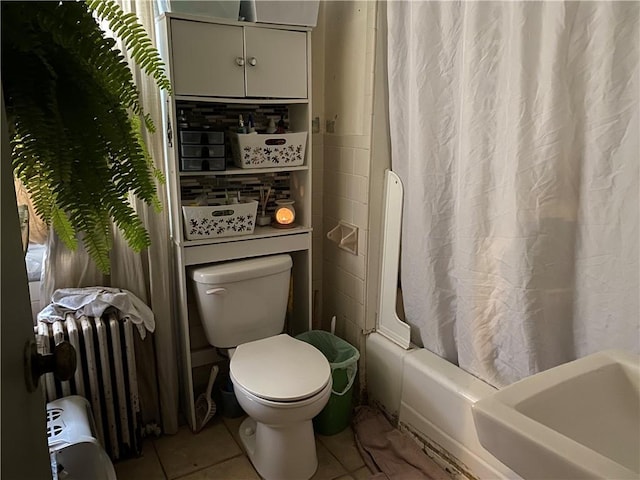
(317, 90)
(343, 62)
(380, 161)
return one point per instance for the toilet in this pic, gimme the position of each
(280, 382)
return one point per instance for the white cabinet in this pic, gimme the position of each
(220, 69)
(276, 63)
(238, 61)
(207, 59)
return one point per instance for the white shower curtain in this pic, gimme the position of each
(514, 127)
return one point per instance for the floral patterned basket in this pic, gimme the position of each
(220, 220)
(256, 150)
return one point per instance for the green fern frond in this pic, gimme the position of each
(76, 120)
(97, 240)
(64, 228)
(138, 43)
(157, 173)
(74, 29)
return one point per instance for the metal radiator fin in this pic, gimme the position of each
(105, 375)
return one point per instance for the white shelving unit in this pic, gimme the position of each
(215, 63)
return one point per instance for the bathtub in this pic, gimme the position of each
(431, 399)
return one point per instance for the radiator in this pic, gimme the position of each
(105, 375)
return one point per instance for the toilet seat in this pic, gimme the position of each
(280, 369)
(283, 404)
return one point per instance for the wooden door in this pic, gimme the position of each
(24, 429)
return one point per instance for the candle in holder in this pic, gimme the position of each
(285, 214)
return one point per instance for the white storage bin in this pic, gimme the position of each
(219, 220)
(73, 445)
(207, 8)
(256, 150)
(297, 12)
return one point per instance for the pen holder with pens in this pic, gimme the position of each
(264, 219)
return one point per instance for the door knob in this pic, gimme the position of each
(62, 363)
(240, 61)
(253, 61)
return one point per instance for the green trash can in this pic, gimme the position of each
(343, 358)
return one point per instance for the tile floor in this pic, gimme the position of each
(216, 454)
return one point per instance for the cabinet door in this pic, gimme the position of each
(280, 68)
(205, 59)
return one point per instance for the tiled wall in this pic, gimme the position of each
(343, 53)
(219, 189)
(380, 161)
(317, 174)
(225, 116)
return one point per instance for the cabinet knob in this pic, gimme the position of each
(240, 61)
(253, 61)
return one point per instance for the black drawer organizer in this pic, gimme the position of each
(202, 150)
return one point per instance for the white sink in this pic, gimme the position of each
(575, 421)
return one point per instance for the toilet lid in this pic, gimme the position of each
(280, 368)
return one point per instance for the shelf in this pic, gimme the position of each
(247, 246)
(242, 101)
(204, 356)
(228, 21)
(259, 232)
(242, 171)
(209, 95)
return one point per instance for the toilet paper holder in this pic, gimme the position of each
(345, 236)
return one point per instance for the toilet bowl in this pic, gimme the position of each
(282, 383)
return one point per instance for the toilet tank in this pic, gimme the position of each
(242, 301)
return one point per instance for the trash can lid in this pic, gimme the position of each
(280, 368)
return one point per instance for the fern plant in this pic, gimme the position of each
(75, 118)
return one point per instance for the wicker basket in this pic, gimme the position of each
(220, 220)
(256, 150)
